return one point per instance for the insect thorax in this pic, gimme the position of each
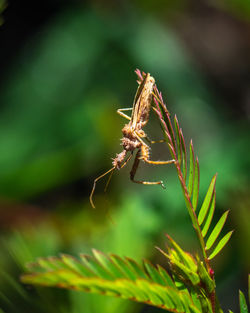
(130, 141)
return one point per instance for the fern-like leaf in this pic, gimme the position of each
(113, 276)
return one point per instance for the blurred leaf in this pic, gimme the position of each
(152, 290)
(243, 303)
(241, 9)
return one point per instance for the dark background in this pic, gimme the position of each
(66, 67)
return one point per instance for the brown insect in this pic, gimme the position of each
(133, 135)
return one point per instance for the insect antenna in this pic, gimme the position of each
(94, 185)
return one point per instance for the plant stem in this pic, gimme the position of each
(168, 130)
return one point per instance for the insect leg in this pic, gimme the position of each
(119, 111)
(154, 141)
(159, 162)
(108, 181)
(94, 185)
(139, 137)
(134, 169)
(145, 154)
(145, 157)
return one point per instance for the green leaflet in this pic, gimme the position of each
(106, 262)
(123, 266)
(207, 201)
(136, 268)
(180, 255)
(92, 264)
(184, 162)
(182, 271)
(221, 245)
(75, 265)
(243, 303)
(166, 277)
(196, 185)
(191, 169)
(216, 231)
(154, 273)
(210, 215)
(178, 140)
(170, 130)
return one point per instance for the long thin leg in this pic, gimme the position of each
(159, 162)
(137, 134)
(154, 141)
(119, 111)
(94, 185)
(145, 154)
(108, 181)
(134, 169)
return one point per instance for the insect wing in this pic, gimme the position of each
(136, 104)
(142, 102)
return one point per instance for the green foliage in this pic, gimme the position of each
(113, 276)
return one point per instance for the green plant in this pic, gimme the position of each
(190, 285)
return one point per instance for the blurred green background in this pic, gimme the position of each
(66, 67)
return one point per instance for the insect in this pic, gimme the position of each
(134, 136)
